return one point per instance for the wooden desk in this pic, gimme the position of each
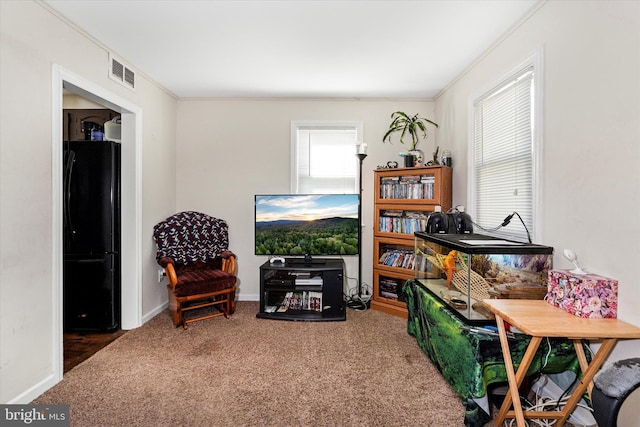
(540, 319)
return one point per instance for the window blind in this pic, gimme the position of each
(503, 155)
(326, 161)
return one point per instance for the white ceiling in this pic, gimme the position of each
(312, 48)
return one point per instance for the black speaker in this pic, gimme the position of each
(437, 222)
(460, 223)
(449, 223)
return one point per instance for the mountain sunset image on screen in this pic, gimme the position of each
(307, 224)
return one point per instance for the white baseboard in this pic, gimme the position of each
(36, 390)
(153, 313)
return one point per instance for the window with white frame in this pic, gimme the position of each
(323, 157)
(505, 145)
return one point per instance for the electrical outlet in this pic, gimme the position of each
(160, 275)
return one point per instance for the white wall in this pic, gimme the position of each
(32, 39)
(230, 150)
(591, 135)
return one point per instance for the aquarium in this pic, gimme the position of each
(464, 269)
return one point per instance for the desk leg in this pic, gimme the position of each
(514, 379)
(582, 358)
(587, 377)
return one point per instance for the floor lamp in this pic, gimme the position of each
(359, 304)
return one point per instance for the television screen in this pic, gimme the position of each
(307, 224)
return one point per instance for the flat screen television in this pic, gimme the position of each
(307, 224)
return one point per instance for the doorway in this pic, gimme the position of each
(131, 132)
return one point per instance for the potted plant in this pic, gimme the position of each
(413, 126)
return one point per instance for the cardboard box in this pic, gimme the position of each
(584, 295)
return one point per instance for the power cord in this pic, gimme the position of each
(506, 222)
(355, 301)
(359, 302)
(546, 403)
(563, 396)
(543, 404)
(572, 385)
(546, 356)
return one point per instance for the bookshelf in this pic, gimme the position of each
(297, 290)
(404, 198)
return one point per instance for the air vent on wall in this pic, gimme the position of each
(121, 73)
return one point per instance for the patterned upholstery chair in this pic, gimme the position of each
(193, 249)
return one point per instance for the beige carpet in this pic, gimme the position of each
(244, 371)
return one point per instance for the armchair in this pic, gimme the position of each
(200, 269)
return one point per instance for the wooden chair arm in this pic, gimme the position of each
(172, 278)
(229, 264)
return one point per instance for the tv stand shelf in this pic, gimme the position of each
(305, 291)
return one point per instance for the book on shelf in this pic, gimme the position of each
(402, 222)
(315, 301)
(408, 261)
(403, 190)
(300, 300)
(399, 258)
(409, 179)
(416, 214)
(392, 213)
(389, 288)
(388, 295)
(284, 305)
(389, 179)
(296, 301)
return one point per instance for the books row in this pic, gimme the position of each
(407, 179)
(398, 213)
(397, 258)
(390, 288)
(305, 300)
(401, 225)
(407, 191)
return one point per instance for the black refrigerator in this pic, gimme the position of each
(91, 236)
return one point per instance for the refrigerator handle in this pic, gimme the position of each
(67, 192)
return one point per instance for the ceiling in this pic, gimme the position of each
(306, 48)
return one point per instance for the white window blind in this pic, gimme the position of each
(324, 160)
(503, 155)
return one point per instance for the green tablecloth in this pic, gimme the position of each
(470, 361)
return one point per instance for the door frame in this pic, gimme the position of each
(131, 203)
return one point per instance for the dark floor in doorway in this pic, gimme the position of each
(79, 346)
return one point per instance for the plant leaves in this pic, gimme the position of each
(401, 122)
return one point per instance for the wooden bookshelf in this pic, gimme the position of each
(404, 198)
